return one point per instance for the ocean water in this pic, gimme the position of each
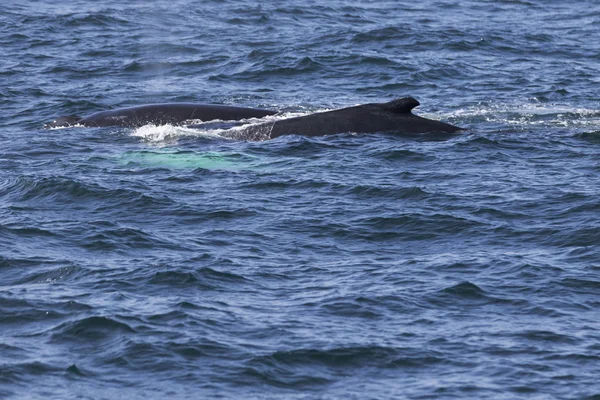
(168, 262)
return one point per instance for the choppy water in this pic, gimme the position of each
(166, 262)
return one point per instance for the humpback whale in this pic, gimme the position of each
(393, 116)
(160, 114)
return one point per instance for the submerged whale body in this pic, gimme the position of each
(160, 114)
(393, 116)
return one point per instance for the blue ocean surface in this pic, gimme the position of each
(172, 262)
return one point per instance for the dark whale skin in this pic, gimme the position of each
(160, 114)
(393, 116)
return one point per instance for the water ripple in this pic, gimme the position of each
(187, 262)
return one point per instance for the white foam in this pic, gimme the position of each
(167, 133)
(242, 130)
(529, 114)
(525, 109)
(53, 128)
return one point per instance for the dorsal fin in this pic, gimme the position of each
(401, 106)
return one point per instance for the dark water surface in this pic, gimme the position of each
(168, 262)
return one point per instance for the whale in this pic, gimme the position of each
(160, 114)
(394, 116)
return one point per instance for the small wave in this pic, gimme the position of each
(73, 369)
(369, 191)
(26, 231)
(388, 34)
(465, 290)
(403, 155)
(350, 309)
(372, 306)
(267, 71)
(194, 351)
(547, 336)
(203, 279)
(90, 329)
(160, 66)
(185, 159)
(15, 372)
(18, 312)
(410, 226)
(51, 276)
(99, 19)
(124, 237)
(317, 366)
(591, 136)
(61, 190)
(589, 286)
(178, 279)
(461, 295)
